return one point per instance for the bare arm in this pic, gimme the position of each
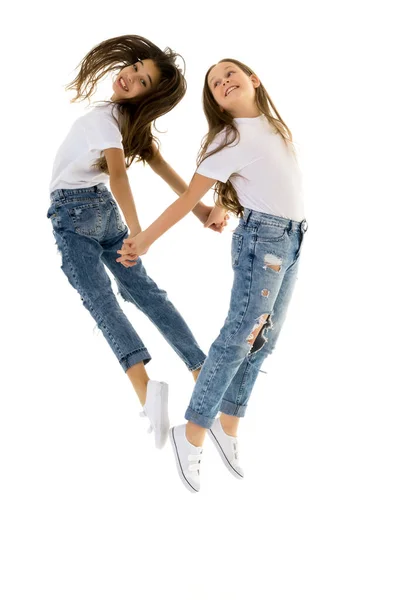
(121, 189)
(171, 177)
(174, 213)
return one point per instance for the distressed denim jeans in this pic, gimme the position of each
(89, 230)
(265, 259)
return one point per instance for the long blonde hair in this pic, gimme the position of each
(225, 194)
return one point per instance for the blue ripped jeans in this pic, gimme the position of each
(88, 229)
(265, 259)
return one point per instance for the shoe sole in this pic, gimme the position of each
(178, 463)
(222, 454)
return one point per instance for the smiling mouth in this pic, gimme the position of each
(230, 89)
(123, 85)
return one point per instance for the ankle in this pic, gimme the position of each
(195, 434)
(229, 424)
(196, 373)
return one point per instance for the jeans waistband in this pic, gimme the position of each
(63, 196)
(254, 216)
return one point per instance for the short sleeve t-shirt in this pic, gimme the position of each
(88, 137)
(268, 177)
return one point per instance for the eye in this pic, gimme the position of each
(135, 67)
(142, 81)
(229, 73)
(216, 83)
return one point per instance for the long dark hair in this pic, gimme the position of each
(135, 116)
(225, 193)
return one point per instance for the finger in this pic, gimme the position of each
(129, 256)
(129, 263)
(123, 259)
(128, 247)
(127, 252)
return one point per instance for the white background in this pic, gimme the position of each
(89, 509)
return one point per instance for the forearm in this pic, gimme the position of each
(167, 173)
(175, 182)
(198, 209)
(174, 213)
(123, 195)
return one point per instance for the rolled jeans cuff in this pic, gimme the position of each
(201, 420)
(233, 409)
(133, 358)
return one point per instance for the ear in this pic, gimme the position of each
(255, 81)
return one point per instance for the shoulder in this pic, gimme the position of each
(105, 112)
(226, 138)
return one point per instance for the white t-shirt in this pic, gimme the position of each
(88, 137)
(270, 181)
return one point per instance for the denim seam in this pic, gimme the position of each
(182, 357)
(250, 279)
(85, 296)
(125, 358)
(242, 386)
(239, 409)
(197, 366)
(207, 421)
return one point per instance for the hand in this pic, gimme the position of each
(132, 248)
(217, 218)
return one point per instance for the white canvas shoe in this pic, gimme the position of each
(228, 448)
(156, 410)
(188, 458)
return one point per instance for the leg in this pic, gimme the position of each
(139, 379)
(259, 275)
(86, 273)
(137, 287)
(234, 403)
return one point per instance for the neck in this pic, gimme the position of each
(246, 112)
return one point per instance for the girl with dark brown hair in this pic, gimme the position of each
(86, 220)
(248, 155)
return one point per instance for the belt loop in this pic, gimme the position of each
(246, 214)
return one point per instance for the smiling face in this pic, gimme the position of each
(233, 89)
(136, 80)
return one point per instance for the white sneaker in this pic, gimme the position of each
(188, 458)
(228, 448)
(156, 410)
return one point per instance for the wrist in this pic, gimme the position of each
(134, 229)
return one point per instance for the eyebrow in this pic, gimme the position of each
(228, 67)
(151, 82)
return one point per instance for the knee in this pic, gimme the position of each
(257, 337)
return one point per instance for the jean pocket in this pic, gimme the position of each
(237, 243)
(271, 233)
(86, 218)
(118, 219)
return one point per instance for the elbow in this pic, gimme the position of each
(118, 178)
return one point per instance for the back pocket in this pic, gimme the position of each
(86, 218)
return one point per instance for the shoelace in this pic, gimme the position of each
(194, 466)
(143, 414)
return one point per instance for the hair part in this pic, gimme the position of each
(135, 116)
(224, 193)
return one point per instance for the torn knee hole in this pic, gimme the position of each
(257, 338)
(273, 262)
